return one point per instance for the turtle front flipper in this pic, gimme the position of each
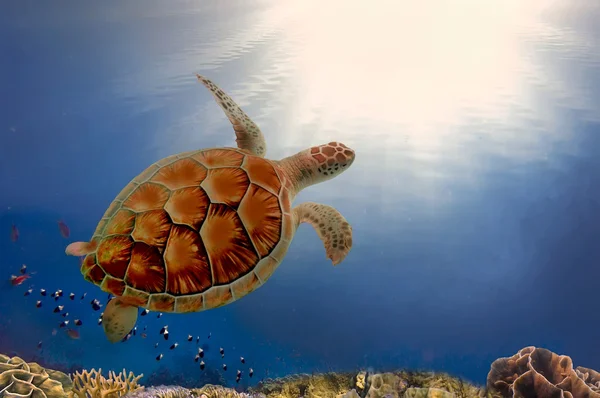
(80, 248)
(331, 226)
(118, 319)
(248, 135)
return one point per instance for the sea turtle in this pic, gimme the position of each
(201, 229)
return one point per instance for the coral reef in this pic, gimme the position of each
(161, 392)
(183, 375)
(537, 372)
(212, 391)
(93, 385)
(304, 385)
(207, 391)
(367, 385)
(427, 393)
(530, 373)
(590, 377)
(21, 379)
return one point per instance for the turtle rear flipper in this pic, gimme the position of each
(118, 319)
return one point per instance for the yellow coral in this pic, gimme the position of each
(361, 380)
(93, 385)
(21, 379)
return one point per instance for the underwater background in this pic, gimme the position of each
(474, 197)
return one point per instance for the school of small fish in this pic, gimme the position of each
(96, 305)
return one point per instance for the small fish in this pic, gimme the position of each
(83, 296)
(18, 280)
(78, 322)
(38, 303)
(127, 337)
(64, 229)
(96, 305)
(242, 360)
(237, 379)
(222, 352)
(159, 315)
(134, 330)
(145, 327)
(224, 367)
(143, 335)
(28, 292)
(156, 345)
(202, 365)
(196, 358)
(190, 337)
(250, 372)
(53, 294)
(210, 334)
(72, 296)
(159, 357)
(100, 321)
(65, 314)
(59, 293)
(200, 352)
(39, 346)
(163, 329)
(174, 345)
(73, 333)
(166, 335)
(63, 324)
(14, 233)
(59, 308)
(239, 373)
(197, 339)
(23, 269)
(145, 312)
(43, 292)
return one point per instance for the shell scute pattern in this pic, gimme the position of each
(193, 231)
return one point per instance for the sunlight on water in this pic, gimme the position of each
(407, 71)
(415, 65)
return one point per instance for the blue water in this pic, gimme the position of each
(474, 197)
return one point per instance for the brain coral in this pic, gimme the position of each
(21, 379)
(536, 372)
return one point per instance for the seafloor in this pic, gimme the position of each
(532, 372)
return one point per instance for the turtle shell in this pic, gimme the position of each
(193, 231)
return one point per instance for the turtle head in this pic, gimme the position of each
(330, 160)
(317, 164)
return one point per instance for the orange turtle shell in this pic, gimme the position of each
(193, 231)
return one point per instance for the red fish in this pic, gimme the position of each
(72, 333)
(18, 280)
(14, 233)
(64, 229)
